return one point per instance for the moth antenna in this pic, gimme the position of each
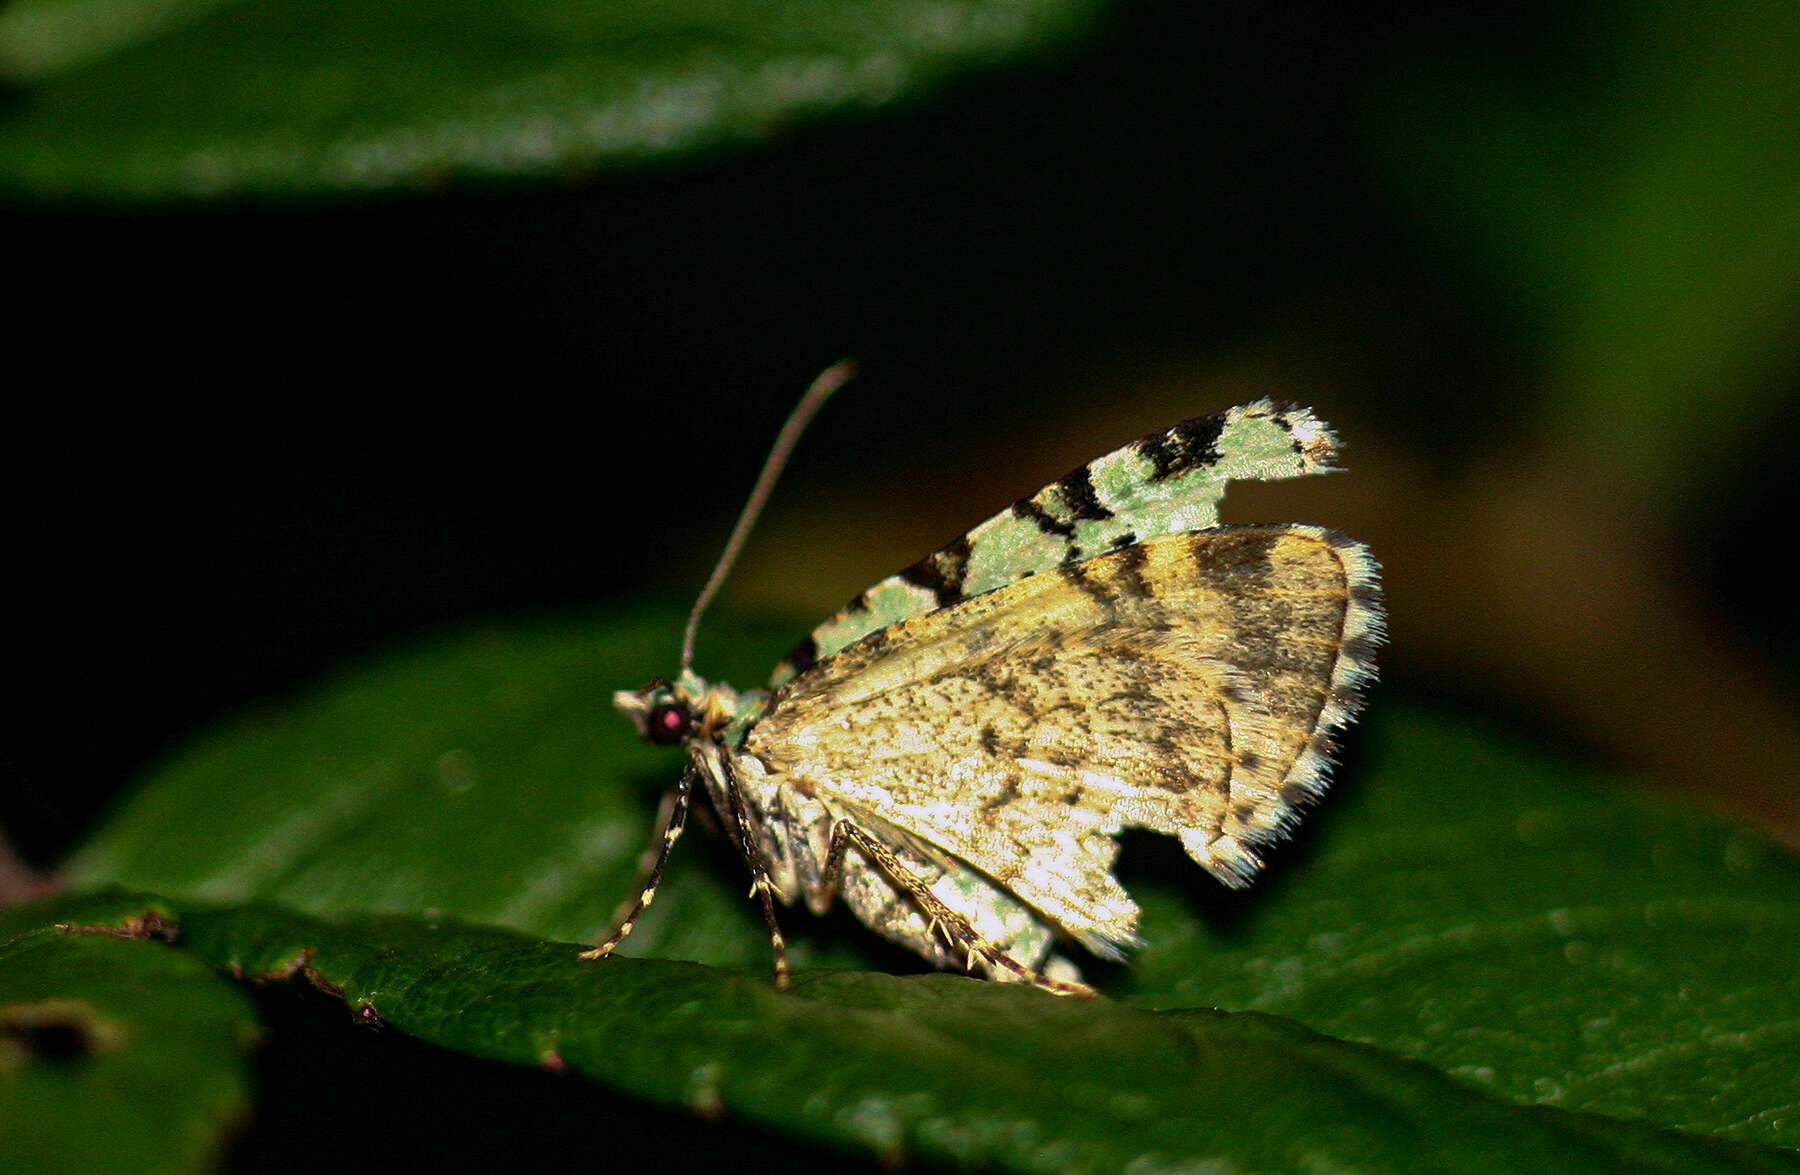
(828, 381)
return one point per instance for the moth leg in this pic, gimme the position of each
(759, 873)
(670, 818)
(956, 928)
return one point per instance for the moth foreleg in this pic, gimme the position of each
(671, 817)
(759, 871)
(846, 834)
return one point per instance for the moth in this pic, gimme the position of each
(954, 754)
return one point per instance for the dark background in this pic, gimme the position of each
(250, 439)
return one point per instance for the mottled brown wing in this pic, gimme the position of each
(1189, 684)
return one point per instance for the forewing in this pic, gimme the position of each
(1189, 684)
(1166, 483)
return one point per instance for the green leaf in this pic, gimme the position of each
(135, 99)
(1538, 934)
(115, 1055)
(938, 1067)
(486, 777)
(1479, 934)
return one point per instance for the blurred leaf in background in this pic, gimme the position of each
(1628, 194)
(1638, 211)
(158, 100)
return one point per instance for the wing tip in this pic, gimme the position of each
(1233, 858)
(1315, 442)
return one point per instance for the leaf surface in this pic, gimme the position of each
(1466, 933)
(115, 1055)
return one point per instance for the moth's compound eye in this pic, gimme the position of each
(668, 723)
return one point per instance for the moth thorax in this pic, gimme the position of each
(718, 706)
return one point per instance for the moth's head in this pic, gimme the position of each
(662, 712)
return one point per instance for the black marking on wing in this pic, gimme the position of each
(1189, 445)
(1076, 576)
(942, 573)
(1132, 560)
(1244, 550)
(804, 656)
(1006, 795)
(1359, 650)
(1077, 490)
(1133, 697)
(1030, 511)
